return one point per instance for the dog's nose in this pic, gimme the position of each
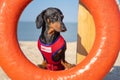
(63, 28)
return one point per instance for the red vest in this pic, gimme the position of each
(49, 50)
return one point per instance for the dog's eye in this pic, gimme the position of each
(53, 18)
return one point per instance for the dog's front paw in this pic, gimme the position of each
(42, 66)
(68, 66)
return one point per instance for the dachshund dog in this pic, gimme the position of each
(50, 43)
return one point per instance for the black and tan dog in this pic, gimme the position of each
(51, 43)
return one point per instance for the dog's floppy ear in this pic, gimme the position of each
(39, 20)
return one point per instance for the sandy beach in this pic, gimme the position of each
(32, 53)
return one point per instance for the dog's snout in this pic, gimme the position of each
(63, 28)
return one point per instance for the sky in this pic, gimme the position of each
(118, 1)
(68, 7)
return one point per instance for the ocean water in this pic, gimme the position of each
(27, 31)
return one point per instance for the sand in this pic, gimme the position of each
(31, 51)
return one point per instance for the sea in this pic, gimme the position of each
(27, 31)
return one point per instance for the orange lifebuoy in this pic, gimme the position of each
(94, 67)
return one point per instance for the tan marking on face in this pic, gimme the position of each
(51, 31)
(56, 26)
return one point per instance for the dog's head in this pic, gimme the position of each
(52, 18)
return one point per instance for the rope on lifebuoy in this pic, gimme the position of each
(94, 67)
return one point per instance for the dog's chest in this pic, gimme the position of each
(53, 47)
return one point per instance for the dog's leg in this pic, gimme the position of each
(67, 65)
(43, 65)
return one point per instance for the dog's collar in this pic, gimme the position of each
(52, 42)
